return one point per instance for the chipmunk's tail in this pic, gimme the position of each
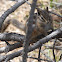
(14, 22)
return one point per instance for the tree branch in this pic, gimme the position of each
(29, 30)
(11, 36)
(54, 34)
(36, 45)
(9, 11)
(10, 47)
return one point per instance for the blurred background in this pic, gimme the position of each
(22, 13)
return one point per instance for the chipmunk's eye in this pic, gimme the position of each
(42, 19)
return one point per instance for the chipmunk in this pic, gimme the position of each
(42, 21)
(43, 24)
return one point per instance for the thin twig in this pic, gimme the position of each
(39, 59)
(55, 14)
(53, 50)
(46, 55)
(39, 54)
(56, 47)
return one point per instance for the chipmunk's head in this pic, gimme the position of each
(43, 21)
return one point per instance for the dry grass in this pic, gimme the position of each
(20, 14)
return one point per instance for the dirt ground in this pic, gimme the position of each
(21, 15)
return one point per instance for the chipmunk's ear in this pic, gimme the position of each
(47, 9)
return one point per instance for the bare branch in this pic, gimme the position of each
(53, 50)
(56, 47)
(54, 34)
(11, 36)
(29, 30)
(39, 59)
(36, 45)
(10, 47)
(11, 56)
(18, 37)
(55, 14)
(46, 55)
(9, 11)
